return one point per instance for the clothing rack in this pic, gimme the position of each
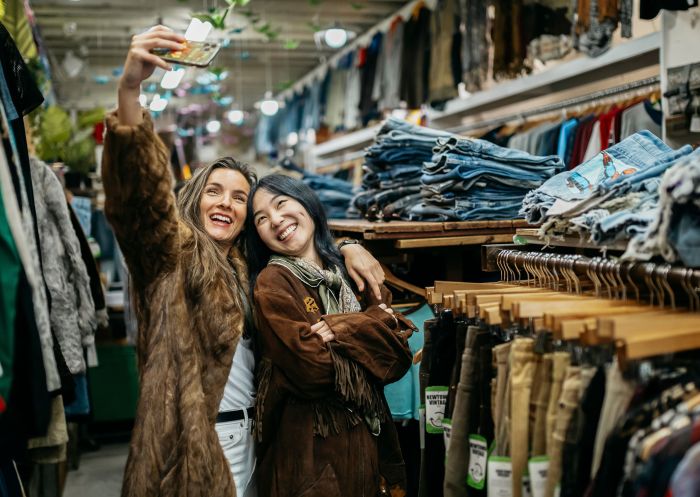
(662, 282)
(571, 102)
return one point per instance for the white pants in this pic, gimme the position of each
(238, 443)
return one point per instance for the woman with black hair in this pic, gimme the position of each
(322, 420)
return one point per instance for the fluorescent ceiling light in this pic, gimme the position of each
(198, 30)
(172, 78)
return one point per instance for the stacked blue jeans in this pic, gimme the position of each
(470, 179)
(393, 168)
(335, 194)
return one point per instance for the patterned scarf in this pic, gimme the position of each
(336, 295)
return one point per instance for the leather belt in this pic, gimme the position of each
(239, 415)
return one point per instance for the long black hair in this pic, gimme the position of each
(259, 253)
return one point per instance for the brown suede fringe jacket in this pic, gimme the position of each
(318, 404)
(187, 333)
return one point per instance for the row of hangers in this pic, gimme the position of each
(634, 307)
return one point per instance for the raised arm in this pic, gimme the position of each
(140, 204)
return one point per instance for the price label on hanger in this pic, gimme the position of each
(500, 477)
(478, 452)
(538, 466)
(435, 402)
(447, 432)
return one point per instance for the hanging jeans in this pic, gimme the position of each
(560, 361)
(540, 401)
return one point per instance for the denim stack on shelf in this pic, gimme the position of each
(393, 168)
(335, 194)
(610, 198)
(469, 179)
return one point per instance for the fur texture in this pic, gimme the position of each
(187, 332)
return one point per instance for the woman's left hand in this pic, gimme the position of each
(363, 267)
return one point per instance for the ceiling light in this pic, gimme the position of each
(198, 30)
(335, 37)
(143, 100)
(292, 139)
(158, 104)
(235, 117)
(172, 78)
(213, 126)
(269, 107)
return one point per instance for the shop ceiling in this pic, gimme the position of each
(98, 33)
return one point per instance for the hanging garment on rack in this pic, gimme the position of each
(416, 49)
(72, 312)
(387, 86)
(640, 116)
(27, 240)
(444, 26)
(475, 47)
(368, 104)
(353, 89)
(509, 51)
(9, 282)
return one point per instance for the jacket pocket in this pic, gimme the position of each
(325, 486)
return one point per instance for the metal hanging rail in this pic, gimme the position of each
(615, 279)
(564, 104)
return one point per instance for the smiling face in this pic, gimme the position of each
(284, 225)
(223, 205)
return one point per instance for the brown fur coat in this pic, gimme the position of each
(187, 336)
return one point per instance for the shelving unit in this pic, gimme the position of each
(529, 236)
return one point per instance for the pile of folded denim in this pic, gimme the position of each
(335, 194)
(674, 233)
(393, 168)
(610, 198)
(469, 179)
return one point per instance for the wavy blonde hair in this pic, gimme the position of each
(207, 260)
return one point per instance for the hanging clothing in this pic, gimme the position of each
(72, 313)
(184, 354)
(444, 25)
(387, 84)
(416, 49)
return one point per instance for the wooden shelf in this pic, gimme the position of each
(530, 236)
(452, 241)
(409, 230)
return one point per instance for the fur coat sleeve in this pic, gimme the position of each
(140, 204)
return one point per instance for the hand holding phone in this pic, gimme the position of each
(194, 53)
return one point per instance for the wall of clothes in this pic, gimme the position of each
(52, 298)
(424, 56)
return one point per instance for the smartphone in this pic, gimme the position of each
(195, 53)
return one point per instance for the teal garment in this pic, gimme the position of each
(565, 142)
(403, 396)
(9, 279)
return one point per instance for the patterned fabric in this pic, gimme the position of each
(336, 295)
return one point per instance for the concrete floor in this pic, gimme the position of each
(100, 473)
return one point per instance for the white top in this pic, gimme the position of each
(240, 386)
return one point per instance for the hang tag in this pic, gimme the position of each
(447, 432)
(421, 424)
(538, 467)
(500, 477)
(1, 372)
(695, 124)
(435, 401)
(92, 361)
(476, 476)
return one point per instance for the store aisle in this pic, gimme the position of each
(100, 473)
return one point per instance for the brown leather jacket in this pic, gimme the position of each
(187, 336)
(314, 399)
